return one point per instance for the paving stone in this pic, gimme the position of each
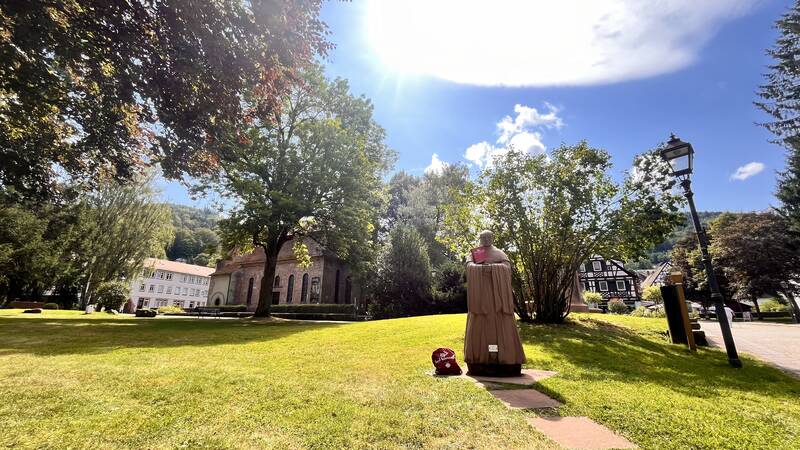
(579, 433)
(525, 399)
(528, 377)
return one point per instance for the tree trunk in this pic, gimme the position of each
(758, 309)
(793, 303)
(265, 292)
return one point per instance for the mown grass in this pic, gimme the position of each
(73, 381)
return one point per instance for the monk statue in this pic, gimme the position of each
(491, 344)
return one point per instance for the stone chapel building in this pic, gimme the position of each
(237, 280)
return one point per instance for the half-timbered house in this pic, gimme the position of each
(611, 280)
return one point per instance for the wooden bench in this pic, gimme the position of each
(205, 311)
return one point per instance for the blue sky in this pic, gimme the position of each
(622, 77)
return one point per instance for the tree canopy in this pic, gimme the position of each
(97, 87)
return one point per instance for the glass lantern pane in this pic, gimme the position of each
(680, 163)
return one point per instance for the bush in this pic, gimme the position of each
(449, 290)
(231, 308)
(773, 306)
(50, 306)
(644, 312)
(617, 306)
(653, 294)
(146, 313)
(592, 297)
(112, 295)
(320, 308)
(169, 309)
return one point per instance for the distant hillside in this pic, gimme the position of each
(196, 239)
(660, 253)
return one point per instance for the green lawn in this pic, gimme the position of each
(73, 381)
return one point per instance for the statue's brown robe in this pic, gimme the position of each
(490, 320)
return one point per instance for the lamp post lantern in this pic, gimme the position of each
(680, 156)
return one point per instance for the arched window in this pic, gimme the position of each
(290, 289)
(277, 281)
(336, 288)
(348, 290)
(304, 289)
(250, 291)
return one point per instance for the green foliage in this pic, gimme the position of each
(773, 306)
(617, 306)
(85, 82)
(449, 289)
(112, 295)
(319, 163)
(317, 308)
(644, 312)
(403, 287)
(170, 309)
(50, 306)
(551, 213)
(195, 238)
(592, 297)
(653, 294)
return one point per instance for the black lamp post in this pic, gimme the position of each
(680, 157)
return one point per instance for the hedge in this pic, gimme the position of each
(316, 308)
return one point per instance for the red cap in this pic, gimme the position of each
(444, 360)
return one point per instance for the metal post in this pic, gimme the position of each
(716, 296)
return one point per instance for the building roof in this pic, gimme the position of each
(178, 267)
(657, 274)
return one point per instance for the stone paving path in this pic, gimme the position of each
(569, 432)
(776, 343)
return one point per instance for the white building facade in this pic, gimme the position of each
(170, 283)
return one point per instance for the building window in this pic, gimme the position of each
(304, 289)
(160, 288)
(315, 290)
(185, 291)
(169, 289)
(160, 275)
(191, 304)
(596, 266)
(290, 289)
(620, 285)
(146, 302)
(250, 291)
(178, 303)
(183, 278)
(603, 285)
(582, 268)
(336, 288)
(141, 287)
(277, 281)
(204, 294)
(169, 276)
(152, 288)
(276, 297)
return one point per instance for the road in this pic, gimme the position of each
(776, 343)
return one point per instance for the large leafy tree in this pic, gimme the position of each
(551, 213)
(780, 98)
(757, 253)
(315, 167)
(108, 86)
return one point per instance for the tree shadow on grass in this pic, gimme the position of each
(60, 336)
(611, 352)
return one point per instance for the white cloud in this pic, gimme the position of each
(545, 43)
(436, 166)
(518, 134)
(748, 170)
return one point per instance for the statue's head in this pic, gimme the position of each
(486, 238)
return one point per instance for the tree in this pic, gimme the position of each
(653, 294)
(780, 99)
(404, 286)
(315, 168)
(757, 252)
(685, 256)
(400, 187)
(100, 87)
(112, 295)
(123, 226)
(551, 213)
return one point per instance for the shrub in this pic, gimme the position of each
(146, 313)
(112, 295)
(50, 306)
(645, 312)
(617, 306)
(232, 308)
(592, 297)
(450, 290)
(773, 306)
(653, 294)
(316, 308)
(169, 309)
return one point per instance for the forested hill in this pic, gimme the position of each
(660, 253)
(196, 239)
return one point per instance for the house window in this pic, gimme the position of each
(146, 302)
(160, 288)
(250, 291)
(582, 268)
(277, 281)
(183, 278)
(169, 289)
(596, 266)
(603, 285)
(152, 288)
(315, 290)
(185, 291)
(304, 289)
(620, 285)
(290, 289)
(191, 304)
(160, 275)
(169, 276)
(276, 297)
(141, 287)
(178, 303)
(204, 294)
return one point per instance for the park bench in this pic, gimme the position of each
(206, 311)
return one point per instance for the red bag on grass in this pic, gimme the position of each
(444, 360)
